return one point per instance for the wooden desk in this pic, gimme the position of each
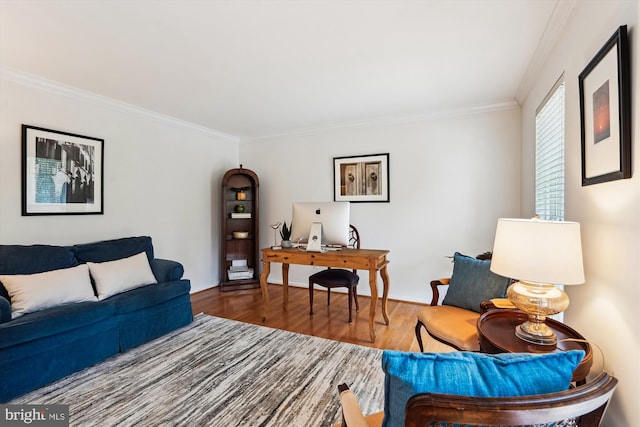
(372, 260)
(496, 331)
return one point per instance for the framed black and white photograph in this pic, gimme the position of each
(62, 173)
(361, 178)
(605, 113)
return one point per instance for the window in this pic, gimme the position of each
(550, 155)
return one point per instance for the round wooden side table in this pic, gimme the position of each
(496, 332)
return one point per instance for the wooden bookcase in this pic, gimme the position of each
(235, 219)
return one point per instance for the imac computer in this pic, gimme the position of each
(320, 224)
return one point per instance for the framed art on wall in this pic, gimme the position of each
(62, 173)
(605, 113)
(361, 178)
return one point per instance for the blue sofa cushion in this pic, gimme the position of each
(472, 282)
(53, 321)
(33, 364)
(472, 374)
(111, 250)
(141, 326)
(148, 296)
(18, 259)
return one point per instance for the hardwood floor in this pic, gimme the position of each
(326, 322)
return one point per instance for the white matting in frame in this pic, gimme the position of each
(62, 173)
(361, 178)
(605, 113)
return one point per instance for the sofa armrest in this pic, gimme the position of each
(435, 291)
(5, 310)
(166, 270)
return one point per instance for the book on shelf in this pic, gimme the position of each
(238, 275)
(240, 215)
(239, 269)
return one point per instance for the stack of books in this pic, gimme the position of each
(240, 215)
(239, 270)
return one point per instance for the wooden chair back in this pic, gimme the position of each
(354, 237)
(581, 406)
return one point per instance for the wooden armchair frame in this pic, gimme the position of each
(582, 406)
(586, 404)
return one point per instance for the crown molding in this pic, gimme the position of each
(392, 120)
(57, 88)
(40, 83)
(554, 29)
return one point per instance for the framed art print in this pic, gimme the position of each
(361, 178)
(605, 113)
(62, 173)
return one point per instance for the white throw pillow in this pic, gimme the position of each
(113, 277)
(33, 292)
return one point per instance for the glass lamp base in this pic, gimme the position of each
(538, 300)
(536, 333)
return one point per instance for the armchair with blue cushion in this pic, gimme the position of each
(467, 388)
(472, 289)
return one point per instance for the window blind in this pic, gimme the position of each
(550, 155)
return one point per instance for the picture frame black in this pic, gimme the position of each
(361, 178)
(605, 112)
(62, 173)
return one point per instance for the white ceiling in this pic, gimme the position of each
(259, 68)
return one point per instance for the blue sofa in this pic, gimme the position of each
(45, 345)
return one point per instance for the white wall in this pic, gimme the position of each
(604, 309)
(451, 178)
(162, 177)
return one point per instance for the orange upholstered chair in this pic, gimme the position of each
(470, 288)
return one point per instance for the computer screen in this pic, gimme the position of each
(334, 217)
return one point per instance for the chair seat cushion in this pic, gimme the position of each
(335, 277)
(452, 325)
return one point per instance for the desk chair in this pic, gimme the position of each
(579, 406)
(338, 277)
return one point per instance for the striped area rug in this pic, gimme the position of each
(219, 372)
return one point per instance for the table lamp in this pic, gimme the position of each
(540, 254)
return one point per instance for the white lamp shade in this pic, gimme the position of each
(538, 251)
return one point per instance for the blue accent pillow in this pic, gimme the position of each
(472, 374)
(472, 282)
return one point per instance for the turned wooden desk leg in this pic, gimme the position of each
(266, 305)
(373, 284)
(385, 293)
(285, 287)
